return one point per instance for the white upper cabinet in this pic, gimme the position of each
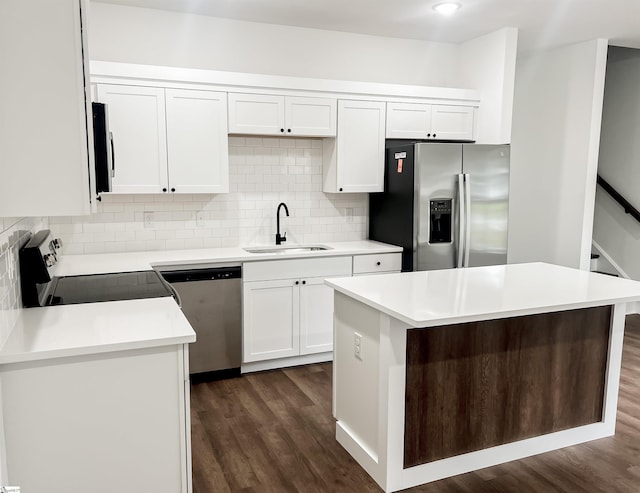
(137, 122)
(256, 114)
(46, 139)
(408, 121)
(197, 142)
(354, 160)
(452, 122)
(426, 121)
(263, 114)
(167, 140)
(312, 117)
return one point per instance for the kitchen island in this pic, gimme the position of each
(443, 372)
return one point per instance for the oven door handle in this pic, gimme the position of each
(173, 290)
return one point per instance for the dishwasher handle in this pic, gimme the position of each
(208, 274)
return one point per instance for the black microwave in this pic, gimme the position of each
(103, 148)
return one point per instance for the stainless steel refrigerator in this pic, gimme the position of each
(445, 204)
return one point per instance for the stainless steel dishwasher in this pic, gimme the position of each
(211, 299)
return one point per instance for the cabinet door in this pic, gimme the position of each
(126, 407)
(197, 142)
(256, 114)
(316, 316)
(311, 117)
(360, 146)
(452, 122)
(137, 122)
(408, 121)
(270, 320)
(46, 156)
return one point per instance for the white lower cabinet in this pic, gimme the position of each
(316, 316)
(287, 308)
(116, 421)
(270, 319)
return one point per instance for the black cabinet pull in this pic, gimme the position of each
(289, 130)
(428, 135)
(341, 189)
(282, 130)
(173, 189)
(434, 136)
(297, 282)
(304, 282)
(164, 189)
(377, 263)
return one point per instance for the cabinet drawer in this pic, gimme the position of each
(370, 264)
(295, 268)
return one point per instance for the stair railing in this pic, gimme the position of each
(628, 208)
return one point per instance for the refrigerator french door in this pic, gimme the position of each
(445, 204)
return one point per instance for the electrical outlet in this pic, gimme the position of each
(357, 345)
(348, 212)
(148, 219)
(199, 219)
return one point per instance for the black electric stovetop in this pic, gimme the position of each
(107, 287)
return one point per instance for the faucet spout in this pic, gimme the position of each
(280, 238)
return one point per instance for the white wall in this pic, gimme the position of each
(155, 37)
(555, 139)
(488, 64)
(617, 233)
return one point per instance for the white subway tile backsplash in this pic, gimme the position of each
(263, 171)
(13, 232)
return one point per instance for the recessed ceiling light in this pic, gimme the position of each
(446, 8)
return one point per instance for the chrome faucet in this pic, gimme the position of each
(280, 238)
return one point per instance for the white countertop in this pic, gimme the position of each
(90, 328)
(443, 297)
(73, 265)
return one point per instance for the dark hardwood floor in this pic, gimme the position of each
(273, 432)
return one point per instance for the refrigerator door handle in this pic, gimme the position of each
(467, 218)
(460, 236)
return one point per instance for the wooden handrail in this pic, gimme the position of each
(628, 208)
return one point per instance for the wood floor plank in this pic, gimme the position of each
(273, 432)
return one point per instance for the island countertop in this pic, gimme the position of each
(443, 297)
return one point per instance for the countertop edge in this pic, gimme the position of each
(375, 297)
(437, 322)
(81, 264)
(95, 349)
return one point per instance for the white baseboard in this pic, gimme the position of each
(274, 364)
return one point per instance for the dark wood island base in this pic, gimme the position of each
(480, 384)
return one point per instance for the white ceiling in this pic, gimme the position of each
(542, 23)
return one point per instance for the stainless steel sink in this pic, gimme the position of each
(287, 249)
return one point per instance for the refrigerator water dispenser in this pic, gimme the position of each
(440, 221)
